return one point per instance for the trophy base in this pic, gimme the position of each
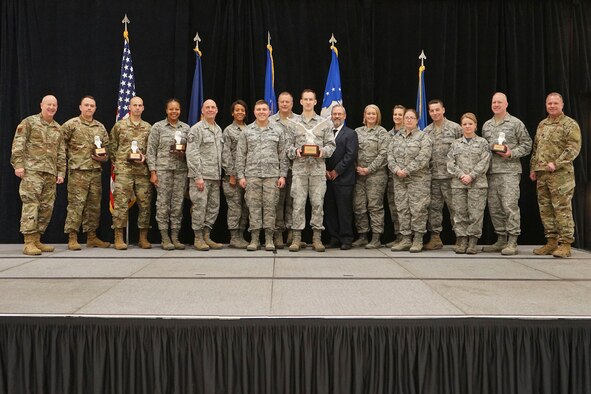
(134, 157)
(499, 148)
(178, 148)
(310, 151)
(99, 152)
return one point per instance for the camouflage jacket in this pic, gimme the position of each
(516, 138)
(261, 152)
(470, 157)
(411, 152)
(39, 146)
(442, 138)
(230, 135)
(79, 135)
(204, 151)
(317, 131)
(557, 141)
(373, 148)
(162, 136)
(122, 135)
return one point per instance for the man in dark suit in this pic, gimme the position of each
(340, 177)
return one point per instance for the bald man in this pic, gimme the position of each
(39, 159)
(204, 160)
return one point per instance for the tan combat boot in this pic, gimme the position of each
(41, 246)
(236, 240)
(511, 247)
(73, 241)
(199, 243)
(434, 242)
(92, 241)
(549, 248)
(563, 250)
(166, 241)
(417, 243)
(174, 238)
(397, 239)
(461, 245)
(269, 245)
(497, 246)
(317, 241)
(361, 241)
(143, 241)
(404, 244)
(472, 248)
(254, 241)
(375, 241)
(208, 241)
(278, 239)
(296, 241)
(29, 248)
(119, 244)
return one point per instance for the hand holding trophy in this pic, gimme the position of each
(180, 145)
(135, 155)
(500, 146)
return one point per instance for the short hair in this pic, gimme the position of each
(262, 102)
(308, 91)
(378, 112)
(238, 102)
(435, 101)
(555, 94)
(413, 111)
(470, 116)
(398, 106)
(87, 97)
(172, 100)
(338, 106)
(285, 93)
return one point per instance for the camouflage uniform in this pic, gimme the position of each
(84, 173)
(442, 138)
(504, 175)
(368, 194)
(261, 159)
(309, 173)
(411, 152)
(237, 209)
(130, 177)
(470, 157)
(171, 169)
(390, 190)
(204, 159)
(557, 141)
(284, 212)
(39, 148)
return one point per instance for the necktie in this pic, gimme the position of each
(334, 131)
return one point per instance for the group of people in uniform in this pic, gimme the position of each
(269, 170)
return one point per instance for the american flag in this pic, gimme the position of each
(126, 92)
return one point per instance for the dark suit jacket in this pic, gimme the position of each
(344, 157)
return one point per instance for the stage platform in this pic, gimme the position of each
(231, 283)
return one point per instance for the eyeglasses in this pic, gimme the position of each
(410, 117)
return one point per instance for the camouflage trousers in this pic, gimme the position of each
(126, 186)
(302, 187)
(412, 202)
(37, 191)
(468, 206)
(261, 198)
(237, 208)
(206, 204)
(503, 203)
(555, 192)
(84, 200)
(368, 200)
(170, 194)
(392, 203)
(284, 214)
(440, 194)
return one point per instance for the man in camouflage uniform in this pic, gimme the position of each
(504, 174)
(309, 173)
(442, 132)
(131, 177)
(82, 135)
(261, 167)
(204, 159)
(39, 159)
(283, 219)
(557, 144)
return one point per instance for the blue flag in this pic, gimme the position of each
(332, 91)
(196, 92)
(422, 100)
(270, 81)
